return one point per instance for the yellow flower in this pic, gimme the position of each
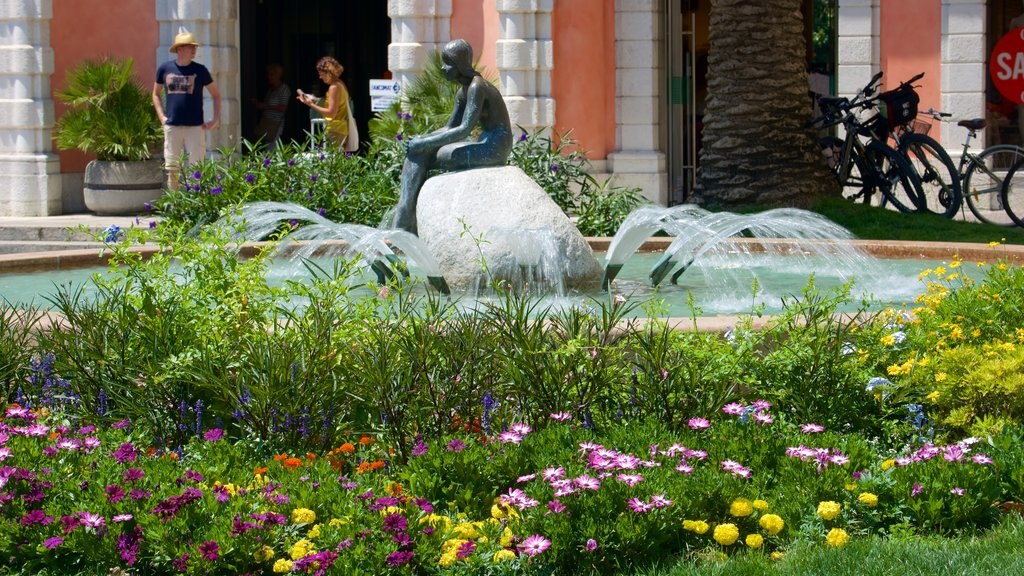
(837, 538)
(506, 537)
(726, 534)
(390, 510)
(503, 555)
(850, 487)
(339, 521)
(828, 510)
(313, 532)
(696, 526)
(741, 508)
(776, 555)
(452, 545)
(955, 264)
(940, 271)
(868, 499)
(941, 377)
(301, 549)
(465, 530)
(993, 244)
(303, 516)
(447, 559)
(282, 566)
(754, 540)
(934, 396)
(263, 554)
(772, 524)
(760, 505)
(888, 340)
(888, 464)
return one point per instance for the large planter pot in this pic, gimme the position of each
(115, 187)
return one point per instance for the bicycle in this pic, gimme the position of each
(982, 175)
(1011, 191)
(859, 167)
(940, 190)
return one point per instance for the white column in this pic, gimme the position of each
(639, 84)
(858, 51)
(963, 67)
(418, 29)
(214, 23)
(30, 183)
(524, 57)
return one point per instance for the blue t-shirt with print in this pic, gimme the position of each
(183, 86)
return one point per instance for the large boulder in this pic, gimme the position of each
(500, 216)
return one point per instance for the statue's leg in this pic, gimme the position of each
(414, 174)
(466, 155)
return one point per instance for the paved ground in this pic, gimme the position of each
(19, 235)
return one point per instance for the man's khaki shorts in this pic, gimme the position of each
(181, 139)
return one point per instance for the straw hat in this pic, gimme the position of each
(183, 39)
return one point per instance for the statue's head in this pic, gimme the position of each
(459, 53)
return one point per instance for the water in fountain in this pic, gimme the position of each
(534, 262)
(373, 245)
(710, 237)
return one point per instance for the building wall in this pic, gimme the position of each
(911, 43)
(477, 22)
(79, 31)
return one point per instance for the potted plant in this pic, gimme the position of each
(111, 116)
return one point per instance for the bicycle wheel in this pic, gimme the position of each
(983, 183)
(855, 189)
(1011, 193)
(940, 178)
(893, 176)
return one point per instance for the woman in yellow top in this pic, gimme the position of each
(335, 112)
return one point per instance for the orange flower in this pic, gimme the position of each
(376, 465)
(347, 448)
(280, 457)
(292, 463)
(394, 489)
(150, 451)
(337, 464)
(366, 440)
(53, 435)
(172, 456)
(363, 468)
(260, 470)
(311, 457)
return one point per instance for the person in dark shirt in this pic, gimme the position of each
(181, 82)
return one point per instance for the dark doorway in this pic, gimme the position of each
(295, 35)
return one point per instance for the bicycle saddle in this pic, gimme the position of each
(973, 123)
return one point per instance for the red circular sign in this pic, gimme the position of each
(1006, 65)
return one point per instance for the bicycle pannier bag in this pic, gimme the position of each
(899, 105)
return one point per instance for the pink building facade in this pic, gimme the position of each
(623, 75)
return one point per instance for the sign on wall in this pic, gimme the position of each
(1006, 65)
(383, 93)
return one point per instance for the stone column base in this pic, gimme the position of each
(30, 185)
(642, 169)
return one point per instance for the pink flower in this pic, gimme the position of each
(812, 428)
(510, 437)
(591, 545)
(90, 520)
(684, 468)
(586, 447)
(660, 501)
(560, 416)
(639, 506)
(525, 478)
(213, 435)
(734, 408)
(587, 483)
(5, 453)
(981, 459)
(763, 418)
(534, 545)
(761, 405)
(556, 507)
(916, 489)
(121, 518)
(521, 429)
(630, 479)
(957, 491)
(552, 474)
(699, 423)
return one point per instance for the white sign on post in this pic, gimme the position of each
(383, 93)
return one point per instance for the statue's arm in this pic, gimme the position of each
(460, 126)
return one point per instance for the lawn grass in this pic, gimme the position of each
(995, 552)
(869, 223)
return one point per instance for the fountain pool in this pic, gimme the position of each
(722, 285)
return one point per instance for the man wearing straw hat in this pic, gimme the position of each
(182, 80)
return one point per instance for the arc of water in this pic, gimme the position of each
(373, 245)
(777, 223)
(640, 225)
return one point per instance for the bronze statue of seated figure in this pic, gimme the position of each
(477, 102)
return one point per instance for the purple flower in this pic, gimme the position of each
(398, 137)
(90, 520)
(313, 177)
(36, 517)
(322, 211)
(213, 435)
(291, 162)
(456, 445)
(395, 523)
(147, 206)
(554, 167)
(128, 545)
(133, 475)
(210, 550)
(53, 542)
(420, 448)
(121, 424)
(266, 161)
(522, 136)
(556, 507)
(181, 563)
(216, 190)
(534, 545)
(126, 452)
(465, 549)
(114, 493)
(398, 558)
(699, 423)
(250, 178)
(916, 489)
(591, 545)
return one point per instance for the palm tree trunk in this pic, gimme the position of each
(756, 150)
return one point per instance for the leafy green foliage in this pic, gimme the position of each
(16, 329)
(109, 115)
